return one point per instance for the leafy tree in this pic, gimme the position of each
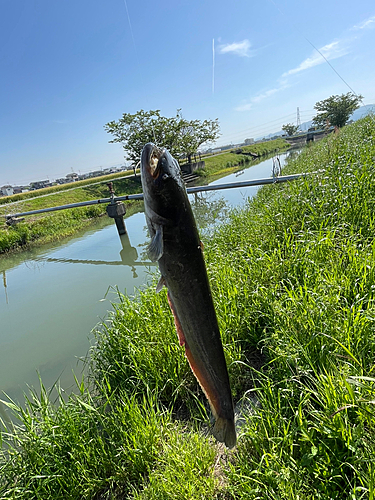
(178, 135)
(289, 128)
(336, 110)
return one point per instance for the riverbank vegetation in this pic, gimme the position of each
(224, 162)
(292, 276)
(36, 193)
(44, 228)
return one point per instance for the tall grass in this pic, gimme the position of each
(292, 275)
(83, 448)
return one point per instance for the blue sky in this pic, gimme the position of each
(70, 66)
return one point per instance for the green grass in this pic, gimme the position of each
(223, 162)
(63, 187)
(292, 275)
(43, 228)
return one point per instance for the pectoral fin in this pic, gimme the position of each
(160, 284)
(155, 248)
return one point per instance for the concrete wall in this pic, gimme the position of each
(191, 167)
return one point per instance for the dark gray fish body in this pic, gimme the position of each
(177, 248)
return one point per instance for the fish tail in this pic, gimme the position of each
(224, 431)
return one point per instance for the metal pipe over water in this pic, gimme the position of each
(11, 218)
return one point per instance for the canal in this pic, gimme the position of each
(53, 296)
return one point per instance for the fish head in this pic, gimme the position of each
(162, 182)
(158, 164)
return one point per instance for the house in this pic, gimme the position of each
(73, 177)
(96, 173)
(40, 184)
(6, 190)
(20, 189)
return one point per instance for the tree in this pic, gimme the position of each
(178, 135)
(336, 110)
(289, 128)
(248, 142)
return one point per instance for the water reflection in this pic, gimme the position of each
(5, 287)
(128, 256)
(209, 210)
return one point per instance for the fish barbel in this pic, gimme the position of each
(175, 244)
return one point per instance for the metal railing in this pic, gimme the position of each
(197, 189)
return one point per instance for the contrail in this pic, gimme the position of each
(213, 65)
(130, 25)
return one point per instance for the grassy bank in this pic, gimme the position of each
(5, 200)
(215, 165)
(292, 276)
(44, 228)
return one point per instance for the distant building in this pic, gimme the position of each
(72, 177)
(6, 190)
(20, 189)
(82, 177)
(40, 184)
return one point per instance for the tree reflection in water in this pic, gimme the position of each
(209, 210)
(128, 256)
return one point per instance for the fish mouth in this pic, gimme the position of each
(151, 155)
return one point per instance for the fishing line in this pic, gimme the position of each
(313, 46)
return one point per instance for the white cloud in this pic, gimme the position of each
(241, 49)
(266, 94)
(248, 105)
(369, 23)
(254, 100)
(332, 50)
(244, 107)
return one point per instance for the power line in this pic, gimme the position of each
(256, 127)
(265, 127)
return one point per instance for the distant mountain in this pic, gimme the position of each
(358, 113)
(362, 111)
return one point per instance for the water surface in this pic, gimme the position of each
(52, 297)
